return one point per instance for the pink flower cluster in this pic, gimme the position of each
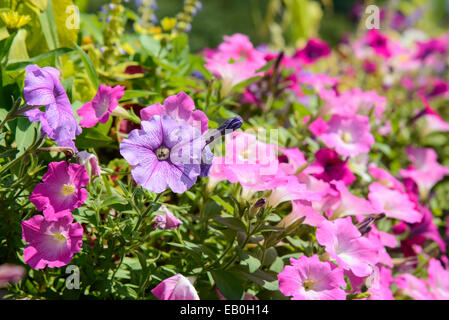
(53, 237)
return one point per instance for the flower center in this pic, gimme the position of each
(308, 284)
(162, 153)
(67, 190)
(346, 137)
(59, 237)
(245, 154)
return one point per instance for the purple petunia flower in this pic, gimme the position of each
(43, 88)
(164, 153)
(166, 221)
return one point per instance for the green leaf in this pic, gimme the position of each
(24, 134)
(231, 222)
(37, 59)
(130, 94)
(223, 203)
(90, 69)
(92, 138)
(114, 200)
(229, 284)
(48, 25)
(271, 285)
(248, 260)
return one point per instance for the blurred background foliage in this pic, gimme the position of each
(284, 22)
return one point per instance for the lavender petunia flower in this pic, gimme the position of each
(43, 88)
(164, 153)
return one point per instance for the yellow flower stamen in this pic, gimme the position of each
(67, 190)
(308, 284)
(346, 137)
(59, 237)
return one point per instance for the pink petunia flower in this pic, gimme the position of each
(234, 61)
(176, 287)
(180, 107)
(380, 287)
(425, 169)
(438, 280)
(433, 121)
(386, 179)
(348, 204)
(10, 274)
(61, 189)
(344, 243)
(166, 221)
(393, 203)
(52, 242)
(413, 287)
(300, 210)
(349, 136)
(311, 279)
(101, 107)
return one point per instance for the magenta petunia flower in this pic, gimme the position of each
(100, 108)
(438, 280)
(314, 50)
(166, 221)
(43, 88)
(349, 136)
(61, 189)
(393, 203)
(379, 42)
(344, 243)
(164, 153)
(53, 242)
(311, 279)
(425, 169)
(177, 287)
(330, 167)
(180, 107)
(10, 274)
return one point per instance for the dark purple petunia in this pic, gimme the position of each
(314, 50)
(332, 167)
